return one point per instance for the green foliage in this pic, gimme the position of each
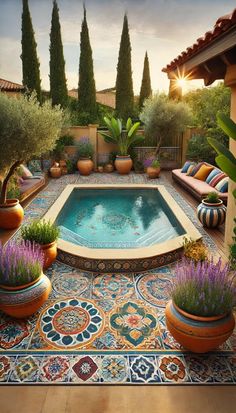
(13, 191)
(86, 91)
(58, 88)
(85, 148)
(65, 140)
(124, 139)
(146, 89)
(199, 150)
(212, 198)
(71, 166)
(30, 63)
(27, 130)
(42, 232)
(233, 248)
(138, 166)
(164, 119)
(124, 83)
(206, 103)
(155, 164)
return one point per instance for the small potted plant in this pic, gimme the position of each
(138, 166)
(200, 314)
(211, 212)
(153, 168)
(195, 250)
(23, 286)
(85, 153)
(45, 234)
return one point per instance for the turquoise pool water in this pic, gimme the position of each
(117, 218)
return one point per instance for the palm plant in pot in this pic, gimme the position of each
(211, 212)
(23, 286)
(85, 153)
(45, 234)
(124, 139)
(200, 314)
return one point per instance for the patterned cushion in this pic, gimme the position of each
(196, 168)
(203, 172)
(25, 172)
(222, 186)
(186, 166)
(217, 179)
(190, 169)
(212, 174)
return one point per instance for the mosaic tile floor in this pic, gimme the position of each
(105, 328)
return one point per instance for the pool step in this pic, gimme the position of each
(70, 236)
(154, 236)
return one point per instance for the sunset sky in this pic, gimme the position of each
(162, 27)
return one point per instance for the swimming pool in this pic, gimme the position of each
(121, 228)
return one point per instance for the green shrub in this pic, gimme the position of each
(85, 148)
(42, 232)
(212, 198)
(199, 150)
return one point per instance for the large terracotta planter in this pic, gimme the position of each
(123, 164)
(50, 253)
(153, 173)
(11, 214)
(198, 334)
(85, 166)
(211, 215)
(25, 300)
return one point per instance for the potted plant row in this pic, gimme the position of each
(203, 294)
(211, 212)
(23, 286)
(45, 234)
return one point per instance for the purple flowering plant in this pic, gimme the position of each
(85, 148)
(20, 263)
(203, 289)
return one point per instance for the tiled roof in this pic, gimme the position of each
(6, 85)
(223, 24)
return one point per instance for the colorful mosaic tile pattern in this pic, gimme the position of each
(105, 328)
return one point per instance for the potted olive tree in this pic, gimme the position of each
(124, 139)
(203, 294)
(23, 286)
(28, 130)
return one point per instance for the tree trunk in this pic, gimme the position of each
(158, 147)
(3, 196)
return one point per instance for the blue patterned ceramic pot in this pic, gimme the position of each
(211, 215)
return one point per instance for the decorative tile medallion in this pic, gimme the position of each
(113, 286)
(85, 368)
(114, 369)
(155, 287)
(5, 366)
(55, 368)
(71, 323)
(71, 283)
(172, 369)
(13, 332)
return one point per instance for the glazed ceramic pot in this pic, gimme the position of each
(50, 253)
(123, 164)
(25, 300)
(85, 166)
(211, 215)
(198, 334)
(11, 214)
(55, 172)
(153, 172)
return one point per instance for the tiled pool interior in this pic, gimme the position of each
(117, 218)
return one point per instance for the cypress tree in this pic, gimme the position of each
(30, 62)
(145, 90)
(86, 90)
(58, 88)
(124, 83)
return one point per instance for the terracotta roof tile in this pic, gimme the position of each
(221, 26)
(6, 85)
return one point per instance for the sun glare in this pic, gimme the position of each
(181, 82)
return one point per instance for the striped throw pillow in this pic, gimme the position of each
(190, 169)
(212, 174)
(222, 186)
(186, 166)
(217, 179)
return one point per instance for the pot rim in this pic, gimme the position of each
(123, 156)
(10, 203)
(212, 203)
(46, 246)
(198, 318)
(84, 158)
(23, 286)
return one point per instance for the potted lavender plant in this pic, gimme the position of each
(153, 167)
(23, 286)
(200, 314)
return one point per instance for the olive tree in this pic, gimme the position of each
(164, 119)
(27, 130)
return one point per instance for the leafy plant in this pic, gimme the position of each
(20, 263)
(42, 232)
(124, 139)
(195, 250)
(155, 164)
(212, 198)
(199, 149)
(203, 289)
(138, 166)
(85, 148)
(71, 167)
(233, 248)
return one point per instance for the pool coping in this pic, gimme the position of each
(123, 260)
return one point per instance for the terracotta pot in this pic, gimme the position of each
(198, 334)
(11, 214)
(108, 168)
(62, 163)
(55, 172)
(153, 173)
(123, 164)
(50, 253)
(25, 300)
(100, 169)
(85, 166)
(211, 215)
